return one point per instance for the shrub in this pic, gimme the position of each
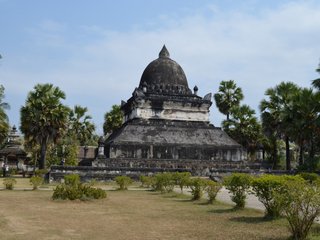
(72, 179)
(36, 181)
(163, 182)
(310, 177)
(264, 187)
(146, 181)
(212, 188)
(238, 185)
(197, 186)
(9, 183)
(181, 179)
(300, 205)
(123, 182)
(73, 189)
(41, 172)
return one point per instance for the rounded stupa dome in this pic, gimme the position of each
(164, 76)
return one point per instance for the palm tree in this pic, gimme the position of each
(44, 118)
(243, 127)
(112, 120)
(4, 122)
(305, 111)
(80, 125)
(277, 110)
(229, 96)
(316, 82)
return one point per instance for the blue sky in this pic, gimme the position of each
(96, 51)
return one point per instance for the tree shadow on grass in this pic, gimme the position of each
(222, 211)
(250, 220)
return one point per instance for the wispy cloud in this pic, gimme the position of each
(256, 50)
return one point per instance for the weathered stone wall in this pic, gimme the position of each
(173, 152)
(106, 169)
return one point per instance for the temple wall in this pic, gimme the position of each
(174, 152)
(169, 110)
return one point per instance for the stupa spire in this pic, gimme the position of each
(164, 53)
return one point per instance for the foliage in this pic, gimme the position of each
(112, 120)
(44, 118)
(228, 96)
(9, 183)
(181, 179)
(163, 182)
(4, 122)
(212, 188)
(146, 181)
(73, 189)
(243, 127)
(80, 125)
(277, 117)
(238, 185)
(265, 187)
(36, 181)
(300, 205)
(123, 182)
(197, 186)
(310, 177)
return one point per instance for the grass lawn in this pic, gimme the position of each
(129, 215)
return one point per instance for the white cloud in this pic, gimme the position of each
(257, 51)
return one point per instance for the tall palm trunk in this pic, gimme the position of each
(275, 154)
(43, 152)
(288, 160)
(301, 160)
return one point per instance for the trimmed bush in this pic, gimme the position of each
(212, 188)
(123, 182)
(73, 189)
(163, 182)
(310, 177)
(238, 185)
(36, 181)
(197, 186)
(9, 183)
(265, 187)
(300, 205)
(146, 181)
(181, 179)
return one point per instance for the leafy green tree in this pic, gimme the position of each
(244, 127)
(306, 123)
(80, 125)
(112, 120)
(181, 179)
(277, 113)
(44, 118)
(4, 122)
(228, 96)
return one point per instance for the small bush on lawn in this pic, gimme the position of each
(163, 182)
(310, 177)
(181, 179)
(212, 188)
(123, 182)
(9, 183)
(197, 186)
(36, 181)
(73, 189)
(146, 181)
(300, 204)
(238, 185)
(265, 187)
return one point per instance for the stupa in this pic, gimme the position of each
(164, 120)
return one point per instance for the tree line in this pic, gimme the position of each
(289, 116)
